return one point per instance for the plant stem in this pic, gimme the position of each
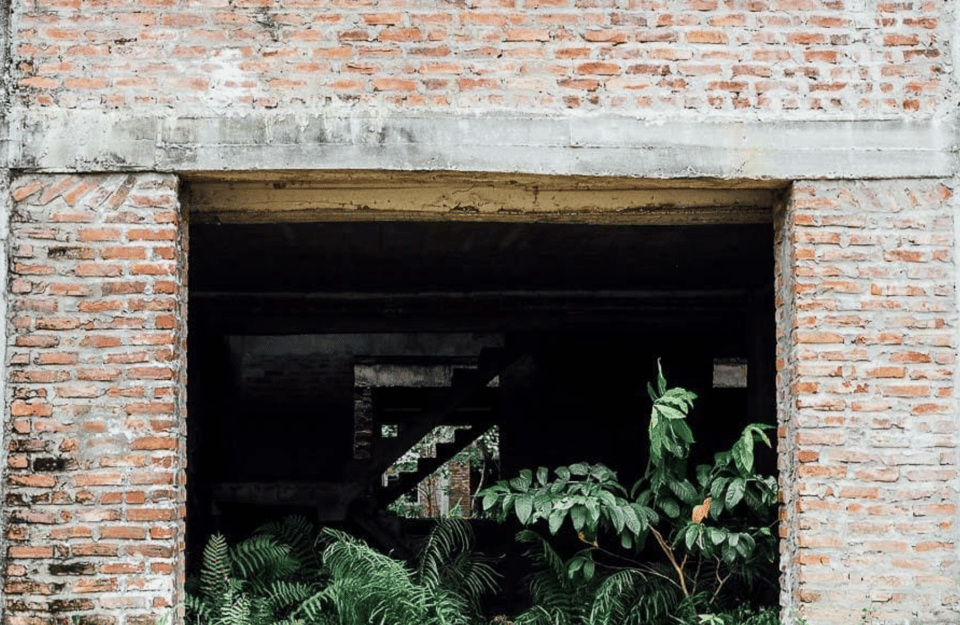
(673, 561)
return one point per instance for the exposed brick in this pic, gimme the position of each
(857, 452)
(64, 362)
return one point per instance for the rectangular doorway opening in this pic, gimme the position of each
(322, 353)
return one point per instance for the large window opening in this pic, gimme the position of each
(322, 354)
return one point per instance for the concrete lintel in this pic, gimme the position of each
(591, 146)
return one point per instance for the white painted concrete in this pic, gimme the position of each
(600, 145)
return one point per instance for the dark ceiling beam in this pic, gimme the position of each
(690, 312)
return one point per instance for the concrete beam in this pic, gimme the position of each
(292, 196)
(584, 145)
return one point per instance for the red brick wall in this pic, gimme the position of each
(460, 494)
(94, 485)
(867, 325)
(799, 58)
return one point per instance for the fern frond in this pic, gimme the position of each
(198, 610)
(447, 561)
(262, 558)
(300, 535)
(215, 570)
(283, 595)
(369, 587)
(633, 597)
(556, 599)
(236, 608)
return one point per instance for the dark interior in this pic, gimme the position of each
(571, 320)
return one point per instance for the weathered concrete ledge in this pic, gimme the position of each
(63, 141)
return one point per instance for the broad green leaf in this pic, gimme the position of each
(668, 412)
(661, 380)
(563, 473)
(679, 397)
(542, 474)
(580, 468)
(555, 520)
(489, 500)
(758, 429)
(743, 548)
(578, 515)
(574, 565)
(600, 472)
(519, 484)
(690, 535)
(734, 493)
(646, 514)
(626, 540)
(631, 520)
(683, 431)
(616, 517)
(685, 492)
(743, 452)
(608, 499)
(718, 486)
(594, 511)
(670, 507)
(716, 535)
(729, 553)
(588, 567)
(524, 507)
(542, 504)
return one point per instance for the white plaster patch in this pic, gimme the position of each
(230, 85)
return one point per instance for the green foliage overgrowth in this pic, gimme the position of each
(290, 574)
(710, 529)
(682, 546)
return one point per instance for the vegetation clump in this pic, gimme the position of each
(684, 545)
(288, 573)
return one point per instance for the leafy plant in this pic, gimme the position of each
(707, 527)
(289, 573)
(256, 582)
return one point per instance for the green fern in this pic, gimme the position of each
(215, 574)
(448, 561)
(262, 556)
(251, 583)
(369, 587)
(301, 536)
(556, 599)
(289, 574)
(634, 597)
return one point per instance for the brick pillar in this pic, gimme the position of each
(867, 343)
(93, 481)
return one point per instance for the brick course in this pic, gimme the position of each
(867, 342)
(796, 58)
(94, 489)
